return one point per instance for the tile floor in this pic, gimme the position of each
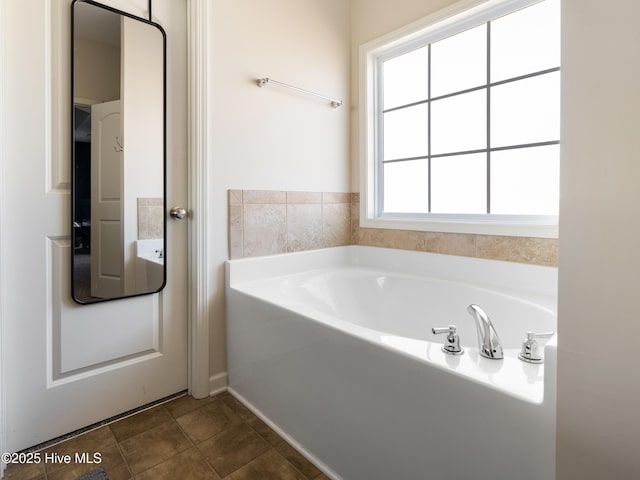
(210, 439)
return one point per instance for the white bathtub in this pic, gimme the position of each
(333, 348)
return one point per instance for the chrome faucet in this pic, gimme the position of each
(488, 340)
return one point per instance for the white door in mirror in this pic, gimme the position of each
(106, 202)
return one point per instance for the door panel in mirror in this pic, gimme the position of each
(119, 118)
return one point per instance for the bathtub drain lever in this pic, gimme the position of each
(452, 342)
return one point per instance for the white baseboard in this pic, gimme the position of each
(323, 467)
(218, 383)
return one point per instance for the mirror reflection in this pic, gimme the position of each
(118, 74)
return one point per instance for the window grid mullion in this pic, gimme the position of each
(480, 150)
(429, 100)
(429, 128)
(380, 179)
(429, 157)
(475, 89)
(488, 117)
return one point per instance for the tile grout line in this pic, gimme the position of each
(274, 447)
(193, 444)
(266, 441)
(242, 210)
(123, 456)
(292, 465)
(242, 420)
(172, 419)
(119, 442)
(286, 222)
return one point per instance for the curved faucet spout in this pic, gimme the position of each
(488, 340)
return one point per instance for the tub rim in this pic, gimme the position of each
(509, 376)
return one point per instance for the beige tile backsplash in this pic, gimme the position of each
(265, 222)
(150, 218)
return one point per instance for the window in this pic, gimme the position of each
(463, 122)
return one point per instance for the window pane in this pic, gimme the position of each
(459, 62)
(526, 111)
(406, 187)
(459, 184)
(459, 123)
(526, 41)
(525, 181)
(405, 133)
(405, 78)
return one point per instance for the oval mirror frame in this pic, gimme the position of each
(118, 182)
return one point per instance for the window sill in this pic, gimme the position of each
(541, 227)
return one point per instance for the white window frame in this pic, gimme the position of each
(460, 16)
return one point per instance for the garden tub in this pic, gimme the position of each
(333, 348)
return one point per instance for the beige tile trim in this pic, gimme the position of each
(263, 197)
(150, 218)
(267, 222)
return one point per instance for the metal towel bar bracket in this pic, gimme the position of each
(261, 82)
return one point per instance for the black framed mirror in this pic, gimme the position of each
(118, 200)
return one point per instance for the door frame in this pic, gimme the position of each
(198, 152)
(198, 255)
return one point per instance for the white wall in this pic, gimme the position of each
(100, 80)
(371, 19)
(599, 323)
(272, 138)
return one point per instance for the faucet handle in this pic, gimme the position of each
(530, 352)
(438, 330)
(533, 336)
(452, 342)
